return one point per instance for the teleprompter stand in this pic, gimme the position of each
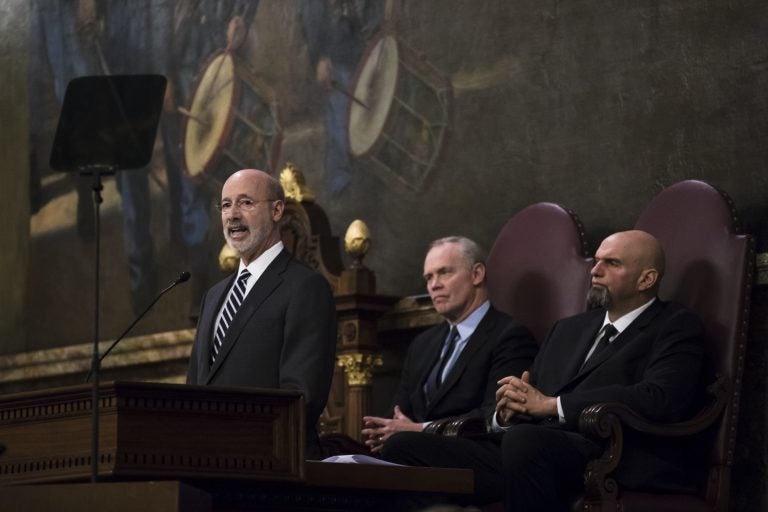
(107, 124)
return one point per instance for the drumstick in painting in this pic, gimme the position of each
(209, 97)
(102, 60)
(190, 115)
(343, 91)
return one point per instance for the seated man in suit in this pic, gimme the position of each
(452, 369)
(273, 324)
(632, 348)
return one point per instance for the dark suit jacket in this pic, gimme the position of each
(654, 367)
(498, 347)
(283, 336)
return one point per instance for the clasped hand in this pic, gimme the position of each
(377, 430)
(517, 397)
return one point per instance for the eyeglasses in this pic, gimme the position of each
(243, 204)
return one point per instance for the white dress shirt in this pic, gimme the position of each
(256, 269)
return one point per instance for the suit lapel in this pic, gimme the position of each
(574, 355)
(629, 334)
(474, 343)
(206, 326)
(263, 288)
(432, 349)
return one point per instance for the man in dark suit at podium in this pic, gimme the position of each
(633, 348)
(452, 369)
(273, 323)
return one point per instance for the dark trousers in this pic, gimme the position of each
(529, 467)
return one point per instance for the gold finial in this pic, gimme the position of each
(292, 180)
(228, 259)
(356, 242)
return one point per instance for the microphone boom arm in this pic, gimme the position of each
(184, 276)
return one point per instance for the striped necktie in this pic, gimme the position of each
(235, 299)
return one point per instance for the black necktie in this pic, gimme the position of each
(609, 331)
(436, 375)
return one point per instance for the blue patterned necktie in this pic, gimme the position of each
(435, 378)
(235, 299)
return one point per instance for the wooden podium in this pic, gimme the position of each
(168, 447)
(152, 431)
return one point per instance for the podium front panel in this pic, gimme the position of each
(152, 431)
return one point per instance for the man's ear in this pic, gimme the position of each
(278, 207)
(478, 273)
(648, 279)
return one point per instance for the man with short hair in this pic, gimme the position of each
(452, 369)
(634, 349)
(273, 323)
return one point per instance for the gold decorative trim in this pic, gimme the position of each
(761, 268)
(294, 184)
(358, 367)
(69, 365)
(228, 259)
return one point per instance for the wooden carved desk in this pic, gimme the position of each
(170, 447)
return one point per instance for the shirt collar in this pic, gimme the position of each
(467, 326)
(623, 322)
(260, 264)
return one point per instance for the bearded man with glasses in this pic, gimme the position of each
(273, 323)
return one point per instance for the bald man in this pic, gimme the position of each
(631, 348)
(273, 323)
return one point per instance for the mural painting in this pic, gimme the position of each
(382, 108)
(422, 118)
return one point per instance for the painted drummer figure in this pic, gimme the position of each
(337, 33)
(199, 28)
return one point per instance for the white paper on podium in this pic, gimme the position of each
(359, 459)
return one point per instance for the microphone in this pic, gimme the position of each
(183, 277)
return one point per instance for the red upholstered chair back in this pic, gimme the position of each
(709, 269)
(538, 269)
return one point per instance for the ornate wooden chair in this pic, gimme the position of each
(538, 269)
(710, 269)
(538, 272)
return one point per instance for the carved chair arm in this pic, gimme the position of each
(604, 422)
(457, 426)
(436, 426)
(595, 420)
(461, 427)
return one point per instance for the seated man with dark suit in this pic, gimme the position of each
(273, 324)
(452, 369)
(632, 348)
